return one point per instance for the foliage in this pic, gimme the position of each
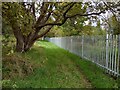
(20, 17)
(7, 37)
(115, 25)
(73, 26)
(92, 30)
(76, 30)
(8, 44)
(77, 8)
(56, 31)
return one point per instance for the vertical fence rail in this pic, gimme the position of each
(82, 44)
(101, 50)
(107, 48)
(118, 65)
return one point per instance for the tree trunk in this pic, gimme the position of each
(28, 46)
(19, 38)
(24, 43)
(19, 45)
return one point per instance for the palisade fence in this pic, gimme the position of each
(101, 50)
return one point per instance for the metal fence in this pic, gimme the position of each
(102, 50)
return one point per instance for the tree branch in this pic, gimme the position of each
(39, 36)
(64, 14)
(33, 9)
(48, 29)
(43, 10)
(86, 14)
(64, 17)
(110, 8)
(72, 16)
(66, 5)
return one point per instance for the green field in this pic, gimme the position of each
(57, 68)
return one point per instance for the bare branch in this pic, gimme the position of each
(111, 9)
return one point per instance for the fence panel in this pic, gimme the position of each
(102, 50)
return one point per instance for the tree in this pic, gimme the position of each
(32, 20)
(115, 25)
(56, 32)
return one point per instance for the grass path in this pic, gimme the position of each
(57, 68)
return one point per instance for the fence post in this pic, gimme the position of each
(118, 55)
(82, 45)
(118, 65)
(107, 45)
(71, 44)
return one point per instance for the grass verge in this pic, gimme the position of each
(57, 68)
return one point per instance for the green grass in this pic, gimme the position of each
(57, 68)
